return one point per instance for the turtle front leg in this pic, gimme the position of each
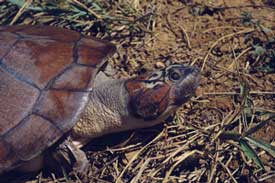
(70, 156)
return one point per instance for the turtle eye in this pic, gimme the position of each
(174, 76)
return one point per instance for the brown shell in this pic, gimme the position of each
(45, 75)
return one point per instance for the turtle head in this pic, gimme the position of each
(123, 104)
(155, 95)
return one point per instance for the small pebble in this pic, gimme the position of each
(160, 65)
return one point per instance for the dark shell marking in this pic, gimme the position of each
(45, 75)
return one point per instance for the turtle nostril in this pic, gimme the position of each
(191, 70)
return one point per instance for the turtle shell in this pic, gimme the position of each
(46, 74)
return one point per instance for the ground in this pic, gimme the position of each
(213, 137)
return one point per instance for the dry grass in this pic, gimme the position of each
(212, 137)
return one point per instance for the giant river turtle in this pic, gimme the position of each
(54, 93)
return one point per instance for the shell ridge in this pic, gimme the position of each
(8, 51)
(49, 120)
(75, 49)
(21, 124)
(71, 90)
(11, 151)
(19, 76)
(52, 81)
(75, 57)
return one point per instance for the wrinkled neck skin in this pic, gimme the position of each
(107, 112)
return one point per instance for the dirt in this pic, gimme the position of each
(231, 43)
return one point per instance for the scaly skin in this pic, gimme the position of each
(119, 105)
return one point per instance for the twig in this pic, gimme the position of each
(181, 159)
(21, 11)
(238, 93)
(220, 39)
(186, 36)
(228, 171)
(86, 8)
(118, 180)
(221, 27)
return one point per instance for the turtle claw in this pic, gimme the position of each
(81, 165)
(72, 157)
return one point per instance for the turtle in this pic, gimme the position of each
(55, 91)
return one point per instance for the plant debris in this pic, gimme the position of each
(224, 134)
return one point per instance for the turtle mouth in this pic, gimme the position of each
(186, 88)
